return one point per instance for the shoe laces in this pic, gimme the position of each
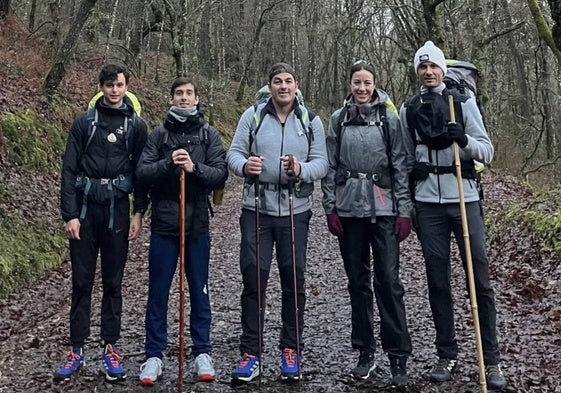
(289, 357)
(445, 364)
(71, 357)
(113, 356)
(494, 370)
(246, 358)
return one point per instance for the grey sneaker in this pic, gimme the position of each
(443, 370)
(151, 371)
(365, 366)
(204, 368)
(495, 377)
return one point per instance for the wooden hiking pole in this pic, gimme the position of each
(181, 278)
(469, 263)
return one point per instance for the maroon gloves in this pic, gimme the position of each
(402, 228)
(334, 224)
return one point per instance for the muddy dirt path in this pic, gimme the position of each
(34, 321)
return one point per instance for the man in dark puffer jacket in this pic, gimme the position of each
(184, 142)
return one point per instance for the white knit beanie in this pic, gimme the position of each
(430, 52)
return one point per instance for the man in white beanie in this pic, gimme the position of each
(437, 203)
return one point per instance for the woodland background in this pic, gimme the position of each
(50, 55)
(515, 43)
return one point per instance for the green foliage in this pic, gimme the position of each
(27, 251)
(32, 142)
(540, 215)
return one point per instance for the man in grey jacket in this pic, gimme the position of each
(437, 203)
(276, 143)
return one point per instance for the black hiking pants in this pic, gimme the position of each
(436, 222)
(360, 235)
(274, 231)
(112, 246)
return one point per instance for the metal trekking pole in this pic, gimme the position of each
(181, 277)
(258, 267)
(293, 255)
(469, 263)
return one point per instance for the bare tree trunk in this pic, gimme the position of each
(111, 28)
(547, 110)
(63, 55)
(32, 11)
(544, 30)
(249, 59)
(4, 8)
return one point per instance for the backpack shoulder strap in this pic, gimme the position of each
(92, 117)
(339, 128)
(258, 117)
(306, 117)
(129, 125)
(410, 115)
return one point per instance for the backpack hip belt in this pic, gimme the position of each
(377, 178)
(121, 182)
(421, 170)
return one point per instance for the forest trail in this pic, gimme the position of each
(34, 320)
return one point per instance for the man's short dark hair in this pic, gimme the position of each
(182, 81)
(110, 72)
(280, 68)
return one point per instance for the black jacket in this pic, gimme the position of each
(108, 154)
(157, 170)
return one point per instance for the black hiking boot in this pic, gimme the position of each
(495, 377)
(365, 365)
(399, 372)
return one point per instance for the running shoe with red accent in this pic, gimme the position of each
(290, 367)
(72, 363)
(112, 364)
(246, 369)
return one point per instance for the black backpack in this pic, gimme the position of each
(461, 83)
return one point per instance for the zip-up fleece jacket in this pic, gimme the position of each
(362, 149)
(443, 188)
(157, 171)
(107, 155)
(272, 141)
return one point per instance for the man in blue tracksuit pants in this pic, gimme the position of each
(185, 142)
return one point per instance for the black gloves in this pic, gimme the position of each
(457, 133)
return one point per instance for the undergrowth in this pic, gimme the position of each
(540, 214)
(32, 142)
(27, 251)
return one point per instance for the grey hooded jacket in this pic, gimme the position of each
(443, 188)
(272, 141)
(362, 149)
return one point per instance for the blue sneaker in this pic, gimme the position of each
(290, 366)
(70, 365)
(246, 369)
(112, 364)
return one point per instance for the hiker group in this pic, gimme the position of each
(383, 173)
